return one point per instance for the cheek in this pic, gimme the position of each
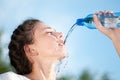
(46, 47)
(49, 44)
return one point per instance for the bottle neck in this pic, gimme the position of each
(88, 22)
(80, 21)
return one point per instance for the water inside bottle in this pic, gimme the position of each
(106, 21)
(112, 22)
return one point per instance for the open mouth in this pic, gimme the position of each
(60, 42)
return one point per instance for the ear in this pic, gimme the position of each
(29, 50)
(26, 49)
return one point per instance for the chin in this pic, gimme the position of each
(62, 56)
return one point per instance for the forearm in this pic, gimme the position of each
(117, 46)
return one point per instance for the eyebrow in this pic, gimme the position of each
(49, 28)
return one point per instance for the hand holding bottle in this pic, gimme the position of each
(112, 33)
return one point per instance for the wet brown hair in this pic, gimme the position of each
(21, 36)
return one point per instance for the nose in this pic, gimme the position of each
(60, 35)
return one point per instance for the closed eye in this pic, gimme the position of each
(50, 33)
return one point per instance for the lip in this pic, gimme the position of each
(61, 43)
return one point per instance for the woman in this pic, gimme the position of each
(34, 50)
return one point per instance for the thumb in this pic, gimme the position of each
(99, 25)
(97, 22)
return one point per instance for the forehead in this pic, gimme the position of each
(42, 26)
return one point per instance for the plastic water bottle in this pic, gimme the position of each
(107, 20)
(111, 20)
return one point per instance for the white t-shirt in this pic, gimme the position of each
(12, 76)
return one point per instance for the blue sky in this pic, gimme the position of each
(87, 48)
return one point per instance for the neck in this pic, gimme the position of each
(43, 71)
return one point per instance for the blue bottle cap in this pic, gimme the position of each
(80, 21)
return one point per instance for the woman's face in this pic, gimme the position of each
(48, 43)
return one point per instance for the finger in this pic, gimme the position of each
(108, 13)
(100, 27)
(96, 21)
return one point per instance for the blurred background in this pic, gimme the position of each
(91, 55)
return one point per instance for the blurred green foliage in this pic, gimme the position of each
(86, 75)
(4, 66)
